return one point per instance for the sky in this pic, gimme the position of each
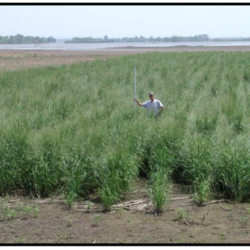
(118, 21)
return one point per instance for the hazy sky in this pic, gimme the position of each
(121, 21)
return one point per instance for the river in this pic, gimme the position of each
(100, 46)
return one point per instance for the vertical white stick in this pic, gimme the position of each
(135, 87)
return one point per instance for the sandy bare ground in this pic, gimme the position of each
(182, 223)
(15, 60)
(21, 59)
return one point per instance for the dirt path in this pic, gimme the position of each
(182, 222)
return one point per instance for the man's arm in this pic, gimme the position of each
(140, 104)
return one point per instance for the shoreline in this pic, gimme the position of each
(182, 48)
(134, 48)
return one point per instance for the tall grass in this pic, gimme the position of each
(72, 129)
(117, 177)
(159, 190)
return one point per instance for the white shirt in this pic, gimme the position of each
(153, 107)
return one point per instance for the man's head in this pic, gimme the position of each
(151, 96)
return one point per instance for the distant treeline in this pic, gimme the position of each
(233, 39)
(197, 38)
(20, 39)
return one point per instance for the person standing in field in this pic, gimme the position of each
(153, 106)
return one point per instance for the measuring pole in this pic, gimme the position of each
(135, 88)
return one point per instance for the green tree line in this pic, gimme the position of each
(203, 37)
(233, 39)
(20, 39)
(197, 38)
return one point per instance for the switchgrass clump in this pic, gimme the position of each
(13, 161)
(202, 191)
(206, 124)
(159, 190)
(181, 214)
(196, 157)
(160, 177)
(80, 176)
(116, 178)
(233, 175)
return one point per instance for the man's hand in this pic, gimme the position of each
(135, 100)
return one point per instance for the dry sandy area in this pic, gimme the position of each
(15, 60)
(20, 59)
(216, 223)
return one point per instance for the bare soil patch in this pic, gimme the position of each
(21, 59)
(85, 223)
(15, 60)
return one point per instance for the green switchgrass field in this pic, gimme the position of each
(73, 129)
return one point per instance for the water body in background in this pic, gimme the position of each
(60, 45)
